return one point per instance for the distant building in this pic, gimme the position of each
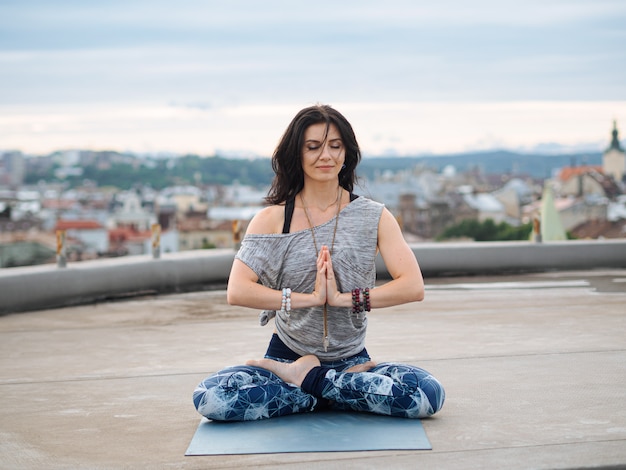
(86, 238)
(130, 241)
(233, 213)
(486, 205)
(132, 214)
(413, 216)
(513, 196)
(572, 211)
(168, 242)
(184, 198)
(584, 181)
(166, 214)
(12, 169)
(200, 233)
(614, 159)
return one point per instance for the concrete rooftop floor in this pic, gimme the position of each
(534, 368)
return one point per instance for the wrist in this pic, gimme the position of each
(346, 299)
(305, 300)
(343, 299)
(360, 300)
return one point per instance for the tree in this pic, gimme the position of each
(486, 231)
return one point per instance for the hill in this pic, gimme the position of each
(126, 170)
(491, 162)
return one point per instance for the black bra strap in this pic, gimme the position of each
(290, 206)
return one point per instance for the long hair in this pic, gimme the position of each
(287, 158)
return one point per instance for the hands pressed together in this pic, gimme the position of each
(326, 291)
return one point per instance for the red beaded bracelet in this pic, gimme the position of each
(357, 305)
(366, 301)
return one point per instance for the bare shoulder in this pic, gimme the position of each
(395, 251)
(388, 221)
(268, 220)
(388, 229)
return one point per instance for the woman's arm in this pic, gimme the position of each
(244, 290)
(243, 283)
(407, 284)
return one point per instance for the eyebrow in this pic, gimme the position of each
(315, 141)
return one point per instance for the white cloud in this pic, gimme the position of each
(408, 128)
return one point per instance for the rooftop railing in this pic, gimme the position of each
(51, 286)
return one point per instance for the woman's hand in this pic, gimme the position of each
(320, 292)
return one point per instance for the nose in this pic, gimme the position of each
(326, 151)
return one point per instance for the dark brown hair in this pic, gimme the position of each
(287, 158)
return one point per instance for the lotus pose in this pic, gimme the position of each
(307, 261)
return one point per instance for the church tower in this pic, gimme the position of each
(614, 159)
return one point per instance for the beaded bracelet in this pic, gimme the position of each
(366, 299)
(285, 303)
(357, 304)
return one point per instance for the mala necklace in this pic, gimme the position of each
(332, 245)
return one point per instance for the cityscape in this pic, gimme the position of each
(99, 220)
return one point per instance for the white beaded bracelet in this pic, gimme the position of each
(285, 304)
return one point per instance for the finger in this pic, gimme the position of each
(325, 269)
(330, 275)
(320, 263)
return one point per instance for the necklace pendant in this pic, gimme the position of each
(326, 343)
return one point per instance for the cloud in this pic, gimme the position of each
(409, 128)
(231, 62)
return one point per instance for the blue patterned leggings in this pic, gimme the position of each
(245, 393)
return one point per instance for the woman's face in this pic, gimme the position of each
(323, 153)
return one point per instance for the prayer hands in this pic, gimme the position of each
(325, 283)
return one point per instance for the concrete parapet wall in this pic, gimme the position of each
(438, 259)
(41, 287)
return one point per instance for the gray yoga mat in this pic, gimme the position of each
(324, 431)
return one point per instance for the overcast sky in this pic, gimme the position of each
(413, 77)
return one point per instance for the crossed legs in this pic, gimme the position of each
(266, 388)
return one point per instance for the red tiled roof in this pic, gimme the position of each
(58, 203)
(569, 171)
(121, 234)
(77, 225)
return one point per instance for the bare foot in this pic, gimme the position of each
(293, 373)
(362, 367)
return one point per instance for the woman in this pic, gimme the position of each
(308, 261)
